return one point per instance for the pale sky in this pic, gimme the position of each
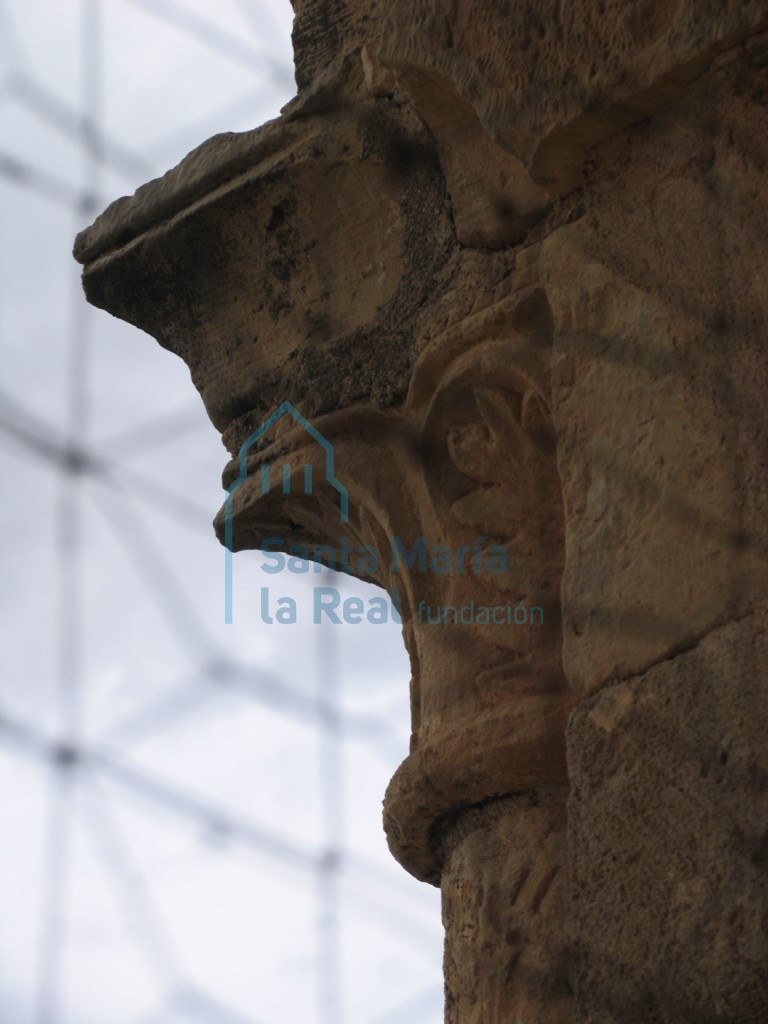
(161, 794)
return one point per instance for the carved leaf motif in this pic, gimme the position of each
(507, 451)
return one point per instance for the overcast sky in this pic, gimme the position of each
(163, 799)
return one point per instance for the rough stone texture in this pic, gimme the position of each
(323, 30)
(548, 79)
(261, 234)
(669, 838)
(505, 898)
(660, 301)
(510, 259)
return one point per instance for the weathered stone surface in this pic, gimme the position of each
(325, 29)
(511, 261)
(239, 282)
(548, 80)
(660, 303)
(505, 898)
(668, 822)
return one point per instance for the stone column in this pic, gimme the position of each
(510, 261)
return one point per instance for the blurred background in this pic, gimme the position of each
(190, 813)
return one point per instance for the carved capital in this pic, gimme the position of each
(454, 507)
(323, 270)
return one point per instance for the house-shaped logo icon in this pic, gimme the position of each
(272, 474)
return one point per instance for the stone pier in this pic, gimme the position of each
(510, 261)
